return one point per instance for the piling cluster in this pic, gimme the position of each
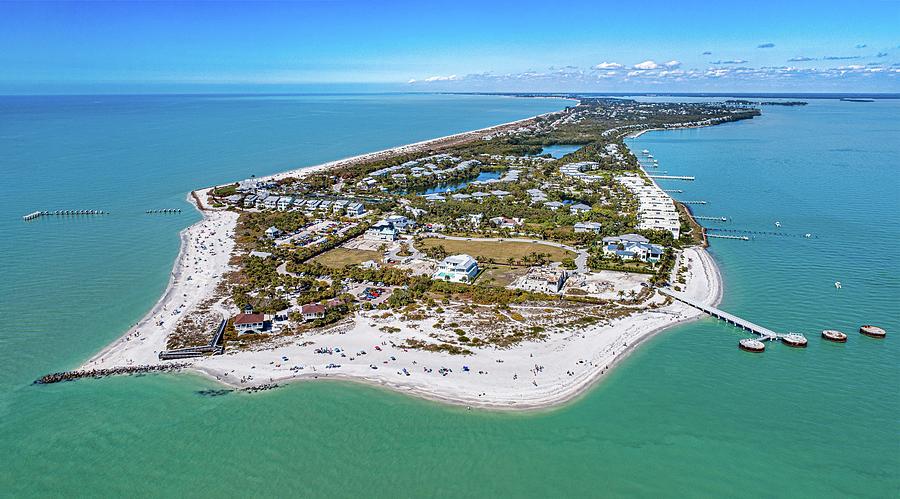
(102, 373)
(165, 210)
(260, 388)
(36, 214)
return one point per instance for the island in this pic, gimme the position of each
(478, 269)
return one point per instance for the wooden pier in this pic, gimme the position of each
(715, 219)
(676, 191)
(693, 202)
(763, 333)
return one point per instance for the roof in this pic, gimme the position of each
(461, 260)
(313, 308)
(241, 319)
(579, 206)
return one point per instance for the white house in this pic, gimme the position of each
(273, 232)
(553, 205)
(632, 247)
(248, 323)
(250, 201)
(579, 208)
(284, 202)
(457, 268)
(355, 209)
(382, 231)
(401, 223)
(271, 202)
(588, 227)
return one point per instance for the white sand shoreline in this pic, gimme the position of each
(570, 364)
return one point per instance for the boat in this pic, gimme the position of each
(833, 335)
(872, 331)
(837, 284)
(751, 345)
(777, 224)
(794, 340)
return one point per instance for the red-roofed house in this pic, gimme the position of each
(245, 323)
(313, 311)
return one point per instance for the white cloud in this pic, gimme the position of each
(673, 64)
(801, 59)
(441, 78)
(608, 65)
(648, 64)
(730, 61)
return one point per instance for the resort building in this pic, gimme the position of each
(457, 268)
(284, 202)
(632, 247)
(656, 210)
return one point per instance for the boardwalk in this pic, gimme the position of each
(764, 333)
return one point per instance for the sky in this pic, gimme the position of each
(596, 46)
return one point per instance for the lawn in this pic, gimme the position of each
(498, 251)
(339, 258)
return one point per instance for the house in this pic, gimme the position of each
(250, 201)
(401, 223)
(273, 232)
(284, 202)
(588, 227)
(313, 204)
(543, 280)
(261, 254)
(553, 205)
(461, 197)
(261, 199)
(382, 231)
(632, 247)
(271, 202)
(579, 208)
(339, 206)
(506, 223)
(249, 323)
(480, 196)
(312, 311)
(435, 198)
(234, 199)
(457, 268)
(325, 206)
(500, 194)
(369, 264)
(355, 209)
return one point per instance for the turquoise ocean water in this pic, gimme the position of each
(686, 414)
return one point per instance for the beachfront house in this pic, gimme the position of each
(382, 231)
(250, 201)
(632, 247)
(457, 268)
(271, 202)
(588, 227)
(249, 323)
(312, 311)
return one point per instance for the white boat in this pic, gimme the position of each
(777, 224)
(837, 284)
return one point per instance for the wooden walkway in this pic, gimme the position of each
(764, 333)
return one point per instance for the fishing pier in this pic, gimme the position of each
(763, 333)
(38, 214)
(672, 177)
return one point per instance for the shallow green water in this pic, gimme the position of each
(686, 414)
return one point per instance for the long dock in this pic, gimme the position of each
(764, 334)
(720, 236)
(38, 214)
(672, 177)
(693, 202)
(715, 219)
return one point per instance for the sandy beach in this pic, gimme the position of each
(206, 247)
(530, 375)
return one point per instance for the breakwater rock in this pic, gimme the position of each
(102, 373)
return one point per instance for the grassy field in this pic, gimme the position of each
(501, 275)
(339, 258)
(499, 251)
